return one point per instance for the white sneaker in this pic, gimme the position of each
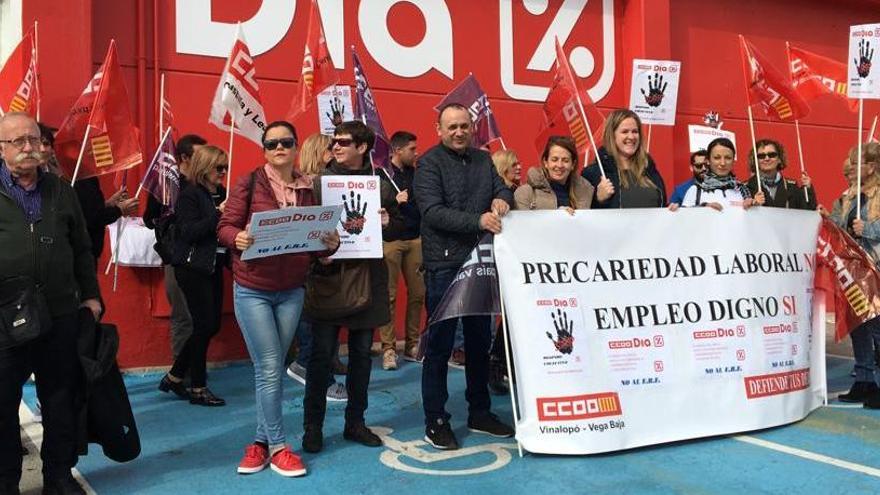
(337, 393)
(389, 360)
(297, 372)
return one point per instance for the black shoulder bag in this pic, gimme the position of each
(24, 312)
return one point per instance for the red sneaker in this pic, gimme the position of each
(286, 463)
(255, 459)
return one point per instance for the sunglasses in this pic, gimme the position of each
(286, 143)
(222, 169)
(771, 154)
(341, 142)
(699, 166)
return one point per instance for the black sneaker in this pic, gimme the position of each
(63, 485)
(440, 436)
(859, 392)
(179, 389)
(205, 397)
(313, 439)
(361, 434)
(489, 424)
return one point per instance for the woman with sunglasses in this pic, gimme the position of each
(778, 191)
(268, 292)
(719, 188)
(198, 267)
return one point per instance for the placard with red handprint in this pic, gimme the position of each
(863, 78)
(654, 91)
(360, 228)
(334, 108)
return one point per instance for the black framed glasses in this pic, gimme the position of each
(286, 143)
(771, 154)
(21, 141)
(699, 166)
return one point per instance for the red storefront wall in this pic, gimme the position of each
(493, 39)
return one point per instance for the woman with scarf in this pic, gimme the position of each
(719, 188)
(779, 191)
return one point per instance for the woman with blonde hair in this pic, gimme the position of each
(314, 154)
(508, 167)
(631, 178)
(198, 267)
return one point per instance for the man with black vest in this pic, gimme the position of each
(460, 197)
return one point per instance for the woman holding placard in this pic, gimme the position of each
(268, 292)
(624, 174)
(719, 188)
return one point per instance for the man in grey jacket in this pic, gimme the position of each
(461, 197)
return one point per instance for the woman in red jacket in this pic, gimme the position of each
(268, 292)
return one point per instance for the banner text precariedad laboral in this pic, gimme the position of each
(648, 326)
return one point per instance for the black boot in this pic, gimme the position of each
(62, 485)
(859, 392)
(313, 439)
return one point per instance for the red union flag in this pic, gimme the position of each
(562, 109)
(813, 75)
(113, 141)
(237, 98)
(318, 71)
(855, 280)
(766, 86)
(19, 91)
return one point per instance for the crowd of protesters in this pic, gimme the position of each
(434, 208)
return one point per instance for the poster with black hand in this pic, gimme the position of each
(654, 91)
(334, 108)
(360, 228)
(863, 81)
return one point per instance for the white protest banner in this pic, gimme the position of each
(654, 90)
(696, 323)
(360, 232)
(863, 80)
(237, 98)
(699, 136)
(334, 107)
(290, 230)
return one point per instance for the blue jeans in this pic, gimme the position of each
(864, 338)
(477, 339)
(268, 321)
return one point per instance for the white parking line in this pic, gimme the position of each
(812, 456)
(34, 431)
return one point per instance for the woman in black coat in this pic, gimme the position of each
(198, 262)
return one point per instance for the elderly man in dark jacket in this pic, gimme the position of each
(42, 236)
(461, 197)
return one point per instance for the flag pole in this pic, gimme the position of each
(648, 143)
(507, 353)
(118, 240)
(231, 140)
(754, 148)
(503, 146)
(82, 151)
(36, 69)
(859, 169)
(797, 129)
(161, 105)
(873, 128)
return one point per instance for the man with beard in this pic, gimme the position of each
(699, 164)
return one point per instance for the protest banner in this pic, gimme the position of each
(334, 108)
(862, 82)
(699, 136)
(290, 230)
(606, 360)
(360, 231)
(654, 90)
